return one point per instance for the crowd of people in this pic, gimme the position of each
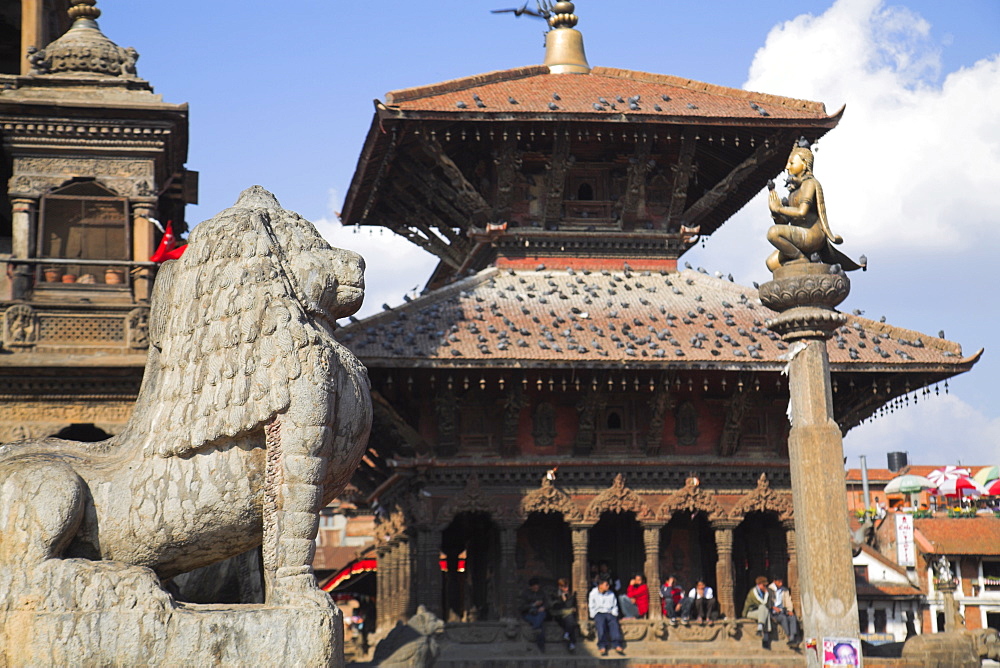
(770, 604)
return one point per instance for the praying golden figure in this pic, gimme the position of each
(801, 232)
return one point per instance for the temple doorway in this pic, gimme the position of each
(617, 540)
(759, 548)
(470, 594)
(544, 549)
(687, 550)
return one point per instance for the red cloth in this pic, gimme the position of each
(639, 594)
(168, 250)
(674, 594)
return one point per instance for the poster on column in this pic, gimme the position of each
(841, 652)
(906, 553)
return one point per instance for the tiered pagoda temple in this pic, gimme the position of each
(563, 393)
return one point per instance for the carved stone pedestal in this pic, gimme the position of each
(805, 295)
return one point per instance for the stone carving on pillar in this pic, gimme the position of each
(763, 499)
(514, 402)
(793, 563)
(617, 499)
(20, 327)
(691, 497)
(659, 404)
(137, 324)
(549, 499)
(588, 407)
(651, 542)
(446, 407)
(580, 584)
(472, 499)
(736, 409)
(268, 417)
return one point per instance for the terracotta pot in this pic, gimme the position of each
(52, 275)
(69, 278)
(114, 277)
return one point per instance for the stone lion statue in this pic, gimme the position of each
(250, 419)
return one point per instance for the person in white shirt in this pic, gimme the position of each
(604, 611)
(701, 601)
(782, 612)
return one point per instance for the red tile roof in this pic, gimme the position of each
(504, 317)
(532, 90)
(883, 476)
(872, 590)
(969, 535)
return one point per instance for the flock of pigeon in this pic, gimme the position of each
(633, 103)
(609, 316)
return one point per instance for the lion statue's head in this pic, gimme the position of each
(241, 317)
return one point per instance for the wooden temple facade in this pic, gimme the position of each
(562, 393)
(89, 155)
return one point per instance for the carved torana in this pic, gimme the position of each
(764, 499)
(690, 498)
(472, 499)
(550, 499)
(618, 499)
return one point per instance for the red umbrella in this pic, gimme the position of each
(993, 489)
(959, 486)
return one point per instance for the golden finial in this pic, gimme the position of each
(563, 43)
(84, 9)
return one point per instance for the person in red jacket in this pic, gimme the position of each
(671, 595)
(638, 593)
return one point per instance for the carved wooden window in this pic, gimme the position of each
(476, 432)
(616, 432)
(587, 195)
(686, 427)
(544, 425)
(85, 221)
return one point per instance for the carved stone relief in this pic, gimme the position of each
(472, 499)
(550, 499)
(690, 498)
(686, 425)
(138, 328)
(20, 327)
(35, 176)
(764, 499)
(618, 499)
(544, 425)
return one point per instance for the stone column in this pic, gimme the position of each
(805, 294)
(25, 228)
(405, 590)
(382, 586)
(32, 29)
(651, 541)
(508, 572)
(429, 570)
(580, 583)
(793, 565)
(724, 566)
(142, 248)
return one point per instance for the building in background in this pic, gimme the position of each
(89, 157)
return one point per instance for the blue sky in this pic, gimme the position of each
(281, 96)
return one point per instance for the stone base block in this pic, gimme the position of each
(194, 635)
(76, 612)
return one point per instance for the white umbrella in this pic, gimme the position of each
(908, 484)
(939, 476)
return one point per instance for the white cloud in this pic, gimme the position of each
(393, 266)
(906, 170)
(939, 430)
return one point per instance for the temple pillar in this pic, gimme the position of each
(793, 565)
(651, 541)
(24, 212)
(724, 576)
(509, 587)
(580, 583)
(428, 590)
(404, 591)
(804, 294)
(142, 249)
(453, 583)
(382, 586)
(32, 30)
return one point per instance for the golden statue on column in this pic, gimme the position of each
(801, 232)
